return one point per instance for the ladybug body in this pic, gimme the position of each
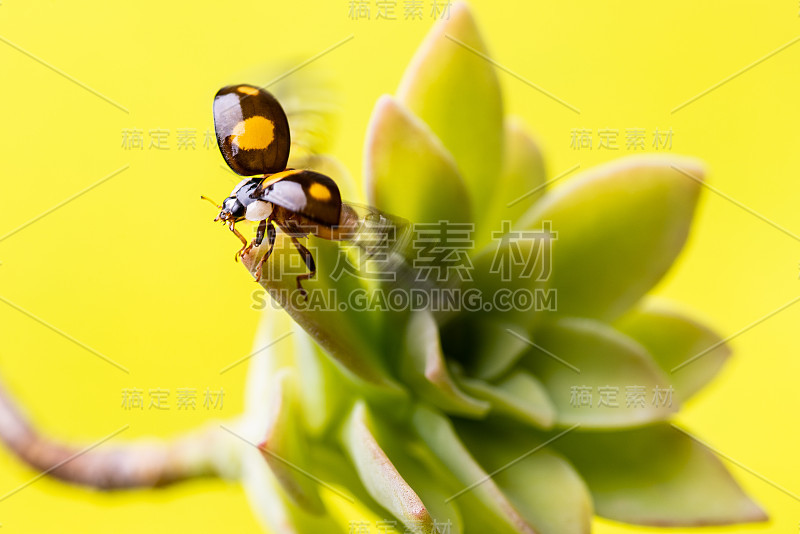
(253, 136)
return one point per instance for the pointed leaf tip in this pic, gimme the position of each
(379, 475)
(620, 227)
(452, 86)
(658, 476)
(689, 352)
(407, 170)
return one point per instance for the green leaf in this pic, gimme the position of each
(278, 514)
(689, 352)
(419, 467)
(430, 479)
(540, 483)
(425, 369)
(456, 92)
(284, 447)
(512, 275)
(351, 338)
(518, 395)
(581, 355)
(485, 504)
(281, 344)
(517, 187)
(658, 476)
(408, 173)
(379, 476)
(320, 384)
(620, 227)
(335, 468)
(423, 477)
(268, 497)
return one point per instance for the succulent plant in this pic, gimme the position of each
(464, 419)
(503, 421)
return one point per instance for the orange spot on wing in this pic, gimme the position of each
(319, 192)
(246, 89)
(253, 133)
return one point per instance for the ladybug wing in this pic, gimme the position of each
(311, 103)
(252, 130)
(379, 231)
(285, 193)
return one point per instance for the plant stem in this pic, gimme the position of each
(143, 464)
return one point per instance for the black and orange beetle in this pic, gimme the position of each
(253, 136)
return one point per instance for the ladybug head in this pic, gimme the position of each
(231, 210)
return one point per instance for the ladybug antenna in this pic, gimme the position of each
(214, 203)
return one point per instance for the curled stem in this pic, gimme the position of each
(142, 464)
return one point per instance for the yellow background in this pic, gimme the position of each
(135, 268)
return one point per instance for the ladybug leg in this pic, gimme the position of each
(309, 259)
(271, 234)
(245, 248)
(262, 227)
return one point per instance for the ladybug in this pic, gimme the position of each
(253, 135)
